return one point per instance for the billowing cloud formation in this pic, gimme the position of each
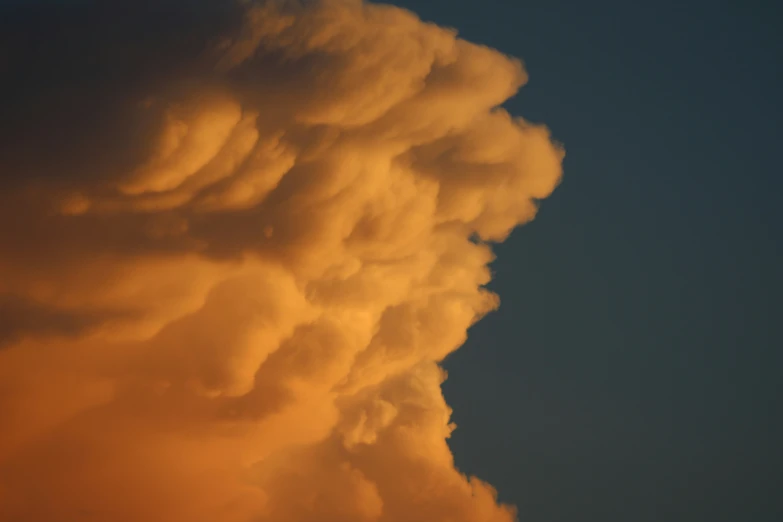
(235, 242)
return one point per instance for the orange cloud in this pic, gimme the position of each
(236, 256)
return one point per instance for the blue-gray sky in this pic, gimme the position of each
(633, 370)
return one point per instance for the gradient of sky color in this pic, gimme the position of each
(633, 371)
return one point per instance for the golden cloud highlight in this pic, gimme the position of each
(226, 296)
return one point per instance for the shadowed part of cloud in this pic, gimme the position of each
(20, 317)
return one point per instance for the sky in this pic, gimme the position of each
(227, 278)
(633, 369)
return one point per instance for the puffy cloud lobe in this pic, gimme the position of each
(228, 278)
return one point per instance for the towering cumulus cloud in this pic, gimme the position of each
(236, 239)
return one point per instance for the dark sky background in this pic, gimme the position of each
(633, 372)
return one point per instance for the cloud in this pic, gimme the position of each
(236, 240)
(20, 318)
